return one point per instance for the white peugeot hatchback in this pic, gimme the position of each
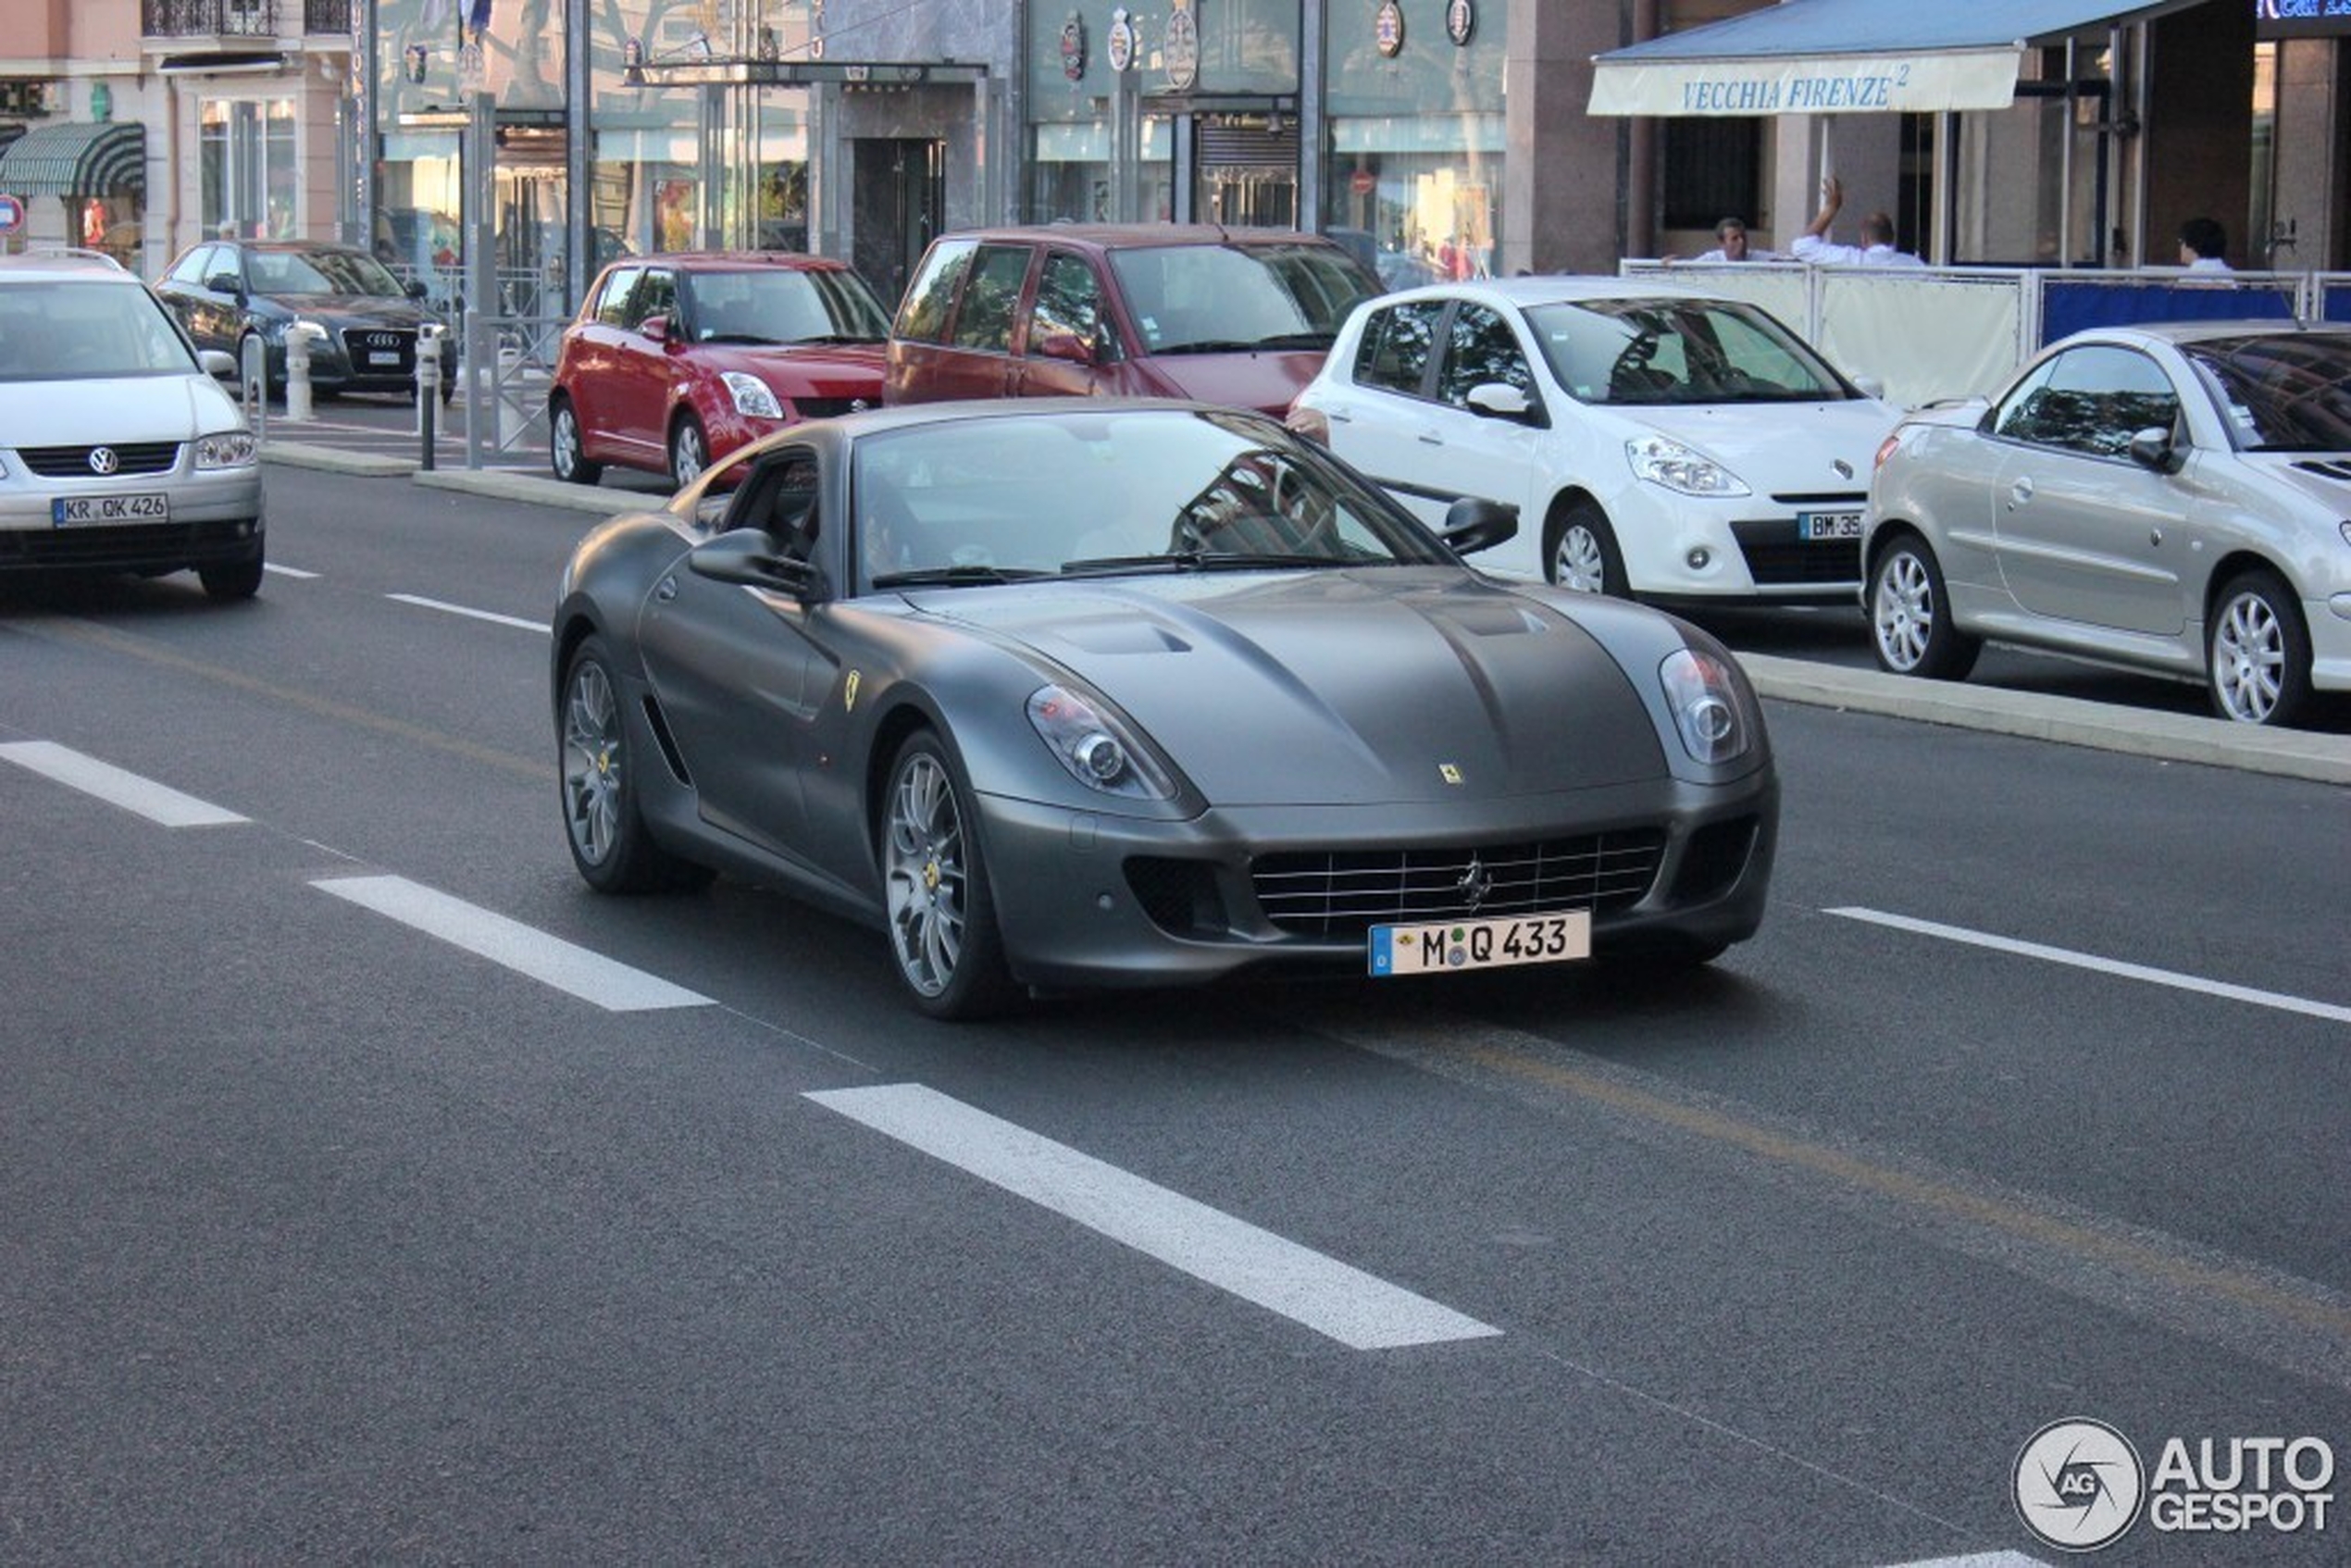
(119, 451)
(1658, 441)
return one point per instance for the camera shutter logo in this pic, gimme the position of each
(2079, 1484)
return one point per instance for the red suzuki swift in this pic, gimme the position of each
(675, 360)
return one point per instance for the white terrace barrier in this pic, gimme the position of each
(1951, 332)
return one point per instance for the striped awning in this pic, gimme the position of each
(108, 159)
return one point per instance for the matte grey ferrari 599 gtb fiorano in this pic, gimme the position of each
(1085, 693)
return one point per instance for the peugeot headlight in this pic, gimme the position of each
(1663, 461)
(1709, 709)
(1098, 748)
(753, 398)
(228, 449)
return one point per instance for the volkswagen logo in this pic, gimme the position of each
(104, 460)
(1475, 883)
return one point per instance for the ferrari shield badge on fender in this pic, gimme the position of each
(1448, 772)
(848, 693)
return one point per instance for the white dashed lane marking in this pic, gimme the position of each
(550, 960)
(156, 802)
(449, 609)
(1329, 1296)
(2178, 981)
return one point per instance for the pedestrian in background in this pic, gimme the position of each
(2203, 245)
(1731, 246)
(1876, 248)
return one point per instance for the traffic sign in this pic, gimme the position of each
(11, 213)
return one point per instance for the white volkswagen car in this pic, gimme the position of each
(119, 451)
(2172, 498)
(1658, 441)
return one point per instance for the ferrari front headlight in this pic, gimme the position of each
(1099, 749)
(753, 398)
(1680, 468)
(1710, 707)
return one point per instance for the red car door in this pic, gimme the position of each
(641, 370)
(589, 355)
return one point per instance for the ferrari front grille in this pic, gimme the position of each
(1342, 893)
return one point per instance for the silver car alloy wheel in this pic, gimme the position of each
(566, 442)
(2248, 659)
(591, 763)
(1581, 565)
(688, 457)
(923, 874)
(1903, 609)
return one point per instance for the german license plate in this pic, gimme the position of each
(1443, 948)
(66, 511)
(1811, 526)
(382, 358)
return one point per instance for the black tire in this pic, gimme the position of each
(1580, 552)
(2256, 651)
(944, 944)
(1911, 629)
(232, 579)
(564, 451)
(596, 778)
(689, 451)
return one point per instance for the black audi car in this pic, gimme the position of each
(228, 292)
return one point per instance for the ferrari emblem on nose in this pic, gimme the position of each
(1448, 772)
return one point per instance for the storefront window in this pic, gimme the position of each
(245, 155)
(1414, 145)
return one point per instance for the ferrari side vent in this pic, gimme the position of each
(1342, 893)
(667, 742)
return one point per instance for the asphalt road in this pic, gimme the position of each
(330, 1233)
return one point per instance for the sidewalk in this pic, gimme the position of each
(2184, 738)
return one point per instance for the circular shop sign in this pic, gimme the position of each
(1183, 46)
(1387, 28)
(1461, 21)
(1119, 47)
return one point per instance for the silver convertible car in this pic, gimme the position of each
(1085, 693)
(2170, 498)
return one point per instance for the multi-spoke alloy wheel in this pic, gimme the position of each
(1910, 616)
(603, 820)
(941, 919)
(2257, 654)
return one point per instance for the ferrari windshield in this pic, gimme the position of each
(1224, 298)
(2282, 392)
(1671, 349)
(778, 305)
(1082, 493)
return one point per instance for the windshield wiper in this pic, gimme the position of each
(841, 337)
(949, 577)
(738, 338)
(1298, 340)
(1196, 561)
(1210, 346)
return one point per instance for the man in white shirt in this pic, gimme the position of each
(2202, 246)
(1876, 248)
(1731, 233)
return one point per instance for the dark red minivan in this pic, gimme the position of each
(675, 360)
(1232, 315)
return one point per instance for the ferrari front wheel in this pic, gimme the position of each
(603, 819)
(941, 919)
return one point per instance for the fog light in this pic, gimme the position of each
(1699, 557)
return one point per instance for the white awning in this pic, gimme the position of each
(1848, 56)
(1928, 84)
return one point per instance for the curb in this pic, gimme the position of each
(2033, 715)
